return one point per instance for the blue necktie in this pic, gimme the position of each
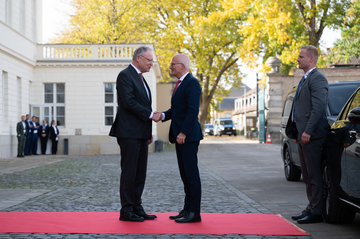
(296, 95)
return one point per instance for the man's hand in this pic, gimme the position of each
(295, 141)
(150, 140)
(180, 139)
(305, 138)
(346, 145)
(157, 116)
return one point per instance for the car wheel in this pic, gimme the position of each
(334, 211)
(292, 173)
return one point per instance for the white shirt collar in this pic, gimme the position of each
(182, 78)
(137, 70)
(308, 72)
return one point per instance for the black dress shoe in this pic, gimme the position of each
(190, 217)
(145, 216)
(130, 217)
(181, 214)
(19, 156)
(302, 215)
(311, 218)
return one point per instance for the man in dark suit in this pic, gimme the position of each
(44, 135)
(21, 135)
(186, 133)
(29, 127)
(35, 138)
(308, 127)
(133, 130)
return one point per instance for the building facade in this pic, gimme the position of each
(75, 85)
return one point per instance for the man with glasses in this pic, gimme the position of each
(186, 133)
(133, 130)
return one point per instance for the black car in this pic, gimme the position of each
(341, 165)
(339, 93)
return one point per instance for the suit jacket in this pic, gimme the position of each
(134, 107)
(184, 111)
(52, 134)
(28, 129)
(20, 129)
(310, 108)
(46, 129)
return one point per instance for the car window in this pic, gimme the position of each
(224, 122)
(287, 107)
(355, 102)
(338, 95)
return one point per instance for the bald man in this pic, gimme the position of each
(185, 132)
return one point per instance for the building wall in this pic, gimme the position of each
(164, 103)
(18, 35)
(84, 104)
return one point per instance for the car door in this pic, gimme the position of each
(284, 119)
(350, 173)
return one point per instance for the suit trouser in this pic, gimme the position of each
(134, 155)
(21, 144)
(310, 161)
(43, 141)
(189, 172)
(34, 143)
(54, 146)
(27, 149)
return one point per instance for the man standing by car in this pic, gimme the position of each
(308, 127)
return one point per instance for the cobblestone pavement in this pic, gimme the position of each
(90, 183)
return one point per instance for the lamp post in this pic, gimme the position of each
(244, 86)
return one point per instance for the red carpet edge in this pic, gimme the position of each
(108, 223)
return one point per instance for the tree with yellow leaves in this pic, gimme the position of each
(211, 40)
(281, 27)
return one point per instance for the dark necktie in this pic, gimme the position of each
(296, 95)
(141, 76)
(176, 86)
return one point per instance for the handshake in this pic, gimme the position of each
(157, 116)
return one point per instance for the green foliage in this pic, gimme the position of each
(349, 46)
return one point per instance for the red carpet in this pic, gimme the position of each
(108, 223)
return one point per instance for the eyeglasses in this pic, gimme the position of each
(147, 59)
(172, 64)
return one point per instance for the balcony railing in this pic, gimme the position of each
(84, 52)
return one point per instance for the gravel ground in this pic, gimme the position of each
(91, 183)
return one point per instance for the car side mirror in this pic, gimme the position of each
(354, 115)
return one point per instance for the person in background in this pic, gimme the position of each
(34, 136)
(44, 135)
(21, 136)
(29, 127)
(54, 137)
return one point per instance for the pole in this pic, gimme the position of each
(245, 111)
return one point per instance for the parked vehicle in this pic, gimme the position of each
(339, 93)
(224, 126)
(209, 129)
(341, 167)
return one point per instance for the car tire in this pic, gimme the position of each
(292, 173)
(334, 211)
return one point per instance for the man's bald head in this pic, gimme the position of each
(180, 65)
(182, 58)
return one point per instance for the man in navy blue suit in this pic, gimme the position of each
(186, 133)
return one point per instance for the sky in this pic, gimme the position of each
(56, 17)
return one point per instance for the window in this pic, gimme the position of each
(5, 97)
(22, 17)
(8, 12)
(110, 107)
(54, 107)
(33, 20)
